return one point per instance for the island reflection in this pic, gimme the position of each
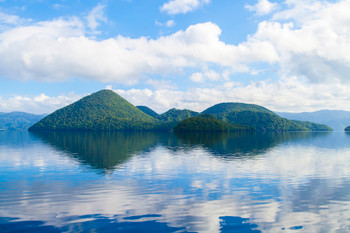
(106, 151)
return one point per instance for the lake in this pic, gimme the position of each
(163, 182)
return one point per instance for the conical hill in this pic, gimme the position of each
(103, 110)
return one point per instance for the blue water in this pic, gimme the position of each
(159, 182)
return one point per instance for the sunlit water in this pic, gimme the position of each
(149, 182)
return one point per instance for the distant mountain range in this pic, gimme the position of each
(336, 119)
(18, 120)
(106, 110)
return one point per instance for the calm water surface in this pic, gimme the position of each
(157, 182)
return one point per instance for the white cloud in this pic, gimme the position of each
(96, 16)
(197, 77)
(293, 95)
(262, 7)
(58, 6)
(174, 7)
(308, 41)
(7, 20)
(209, 75)
(37, 104)
(170, 23)
(58, 50)
(317, 46)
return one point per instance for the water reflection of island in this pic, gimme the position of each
(106, 151)
(100, 150)
(233, 145)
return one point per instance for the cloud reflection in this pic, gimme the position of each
(291, 186)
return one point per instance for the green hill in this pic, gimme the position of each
(224, 108)
(148, 111)
(103, 110)
(172, 117)
(208, 123)
(260, 118)
(176, 115)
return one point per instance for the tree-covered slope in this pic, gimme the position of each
(18, 120)
(148, 111)
(103, 110)
(225, 108)
(311, 126)
(260, 118)
(208, 123)
(176, 115)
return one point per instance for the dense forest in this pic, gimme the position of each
(260, 118)
(148, 111)
(107, 111)
(208, 123)
(103, 110)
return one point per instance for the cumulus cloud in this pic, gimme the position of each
(262, 7)
(37, 104)
(315, 46)
(306, 42)
(58, 49)
(174, 7)
(293, 95)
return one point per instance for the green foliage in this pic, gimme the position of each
(148, 111)
(18, 120)
(171, 118)
(260, 118)
(103, 110)
(313, 126)
(225, 108)
(176, 115)
(208, 123)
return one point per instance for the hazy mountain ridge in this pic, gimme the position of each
(336, 119)
(18, 120)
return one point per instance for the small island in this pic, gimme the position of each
(347, 129)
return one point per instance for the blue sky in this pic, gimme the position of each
(287, 55)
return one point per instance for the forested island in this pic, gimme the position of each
(105, 110)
